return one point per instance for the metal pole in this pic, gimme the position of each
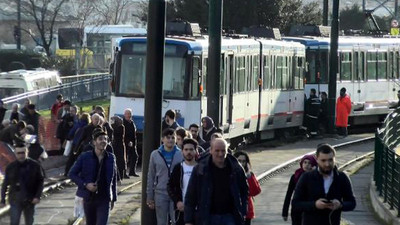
(333, 66)
(325, 13)
(396, 9)
(153, 95)
(19, 25)
(363, 5)
(214, 60)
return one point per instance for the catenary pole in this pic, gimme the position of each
(153, 95)
(214, 57)
(333, 66)
(325, 13)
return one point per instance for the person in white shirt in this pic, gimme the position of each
(179, 180)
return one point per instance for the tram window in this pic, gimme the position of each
(256, 66)
(285, 72)
(382, 65)
(240, 74)
(222, 76)
(371, 65)
(194, 92)
(132, 80)
(396, 65)
(279, 68)
(267, 72)
(204, 77)
(323, 67)
(249, 74)
(311, 74)
(345, 66)
(359, 66)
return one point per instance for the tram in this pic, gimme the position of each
(368, 69)
(261, 83)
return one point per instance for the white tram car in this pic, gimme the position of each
(247, 64)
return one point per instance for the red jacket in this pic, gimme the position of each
(343, 109)
(254, 189)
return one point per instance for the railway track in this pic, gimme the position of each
(263, 177)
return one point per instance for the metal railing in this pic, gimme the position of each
(76, 91)
(387, 161)
(69, 79)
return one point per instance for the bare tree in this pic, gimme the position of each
(113, 11)
(45, 13)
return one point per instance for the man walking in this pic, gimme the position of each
(162, 161)
(95, 174)
(24, 182)
(325, 192)
(343, 109)
(130, 142)
(194, 130)
(178, 183)
(217, 192)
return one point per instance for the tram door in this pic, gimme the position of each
(358, 74)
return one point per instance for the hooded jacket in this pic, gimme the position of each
(159, 173)
(343, 109)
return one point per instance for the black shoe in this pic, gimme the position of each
(126, 176)
(134, 175)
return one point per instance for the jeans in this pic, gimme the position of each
(225, 219)
(164, 209)
(16, 209)
(96, 211)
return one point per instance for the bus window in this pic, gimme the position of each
(382, 65)
(371, 65)
(133, 72)
(345, 66)
(267, 72)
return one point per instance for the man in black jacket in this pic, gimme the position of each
(24, 180)
(179, 180)
(130, 142)
(218, 190)
(325, 192)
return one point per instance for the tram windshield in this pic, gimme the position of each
(133, 70)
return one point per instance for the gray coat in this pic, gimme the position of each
(159, 173)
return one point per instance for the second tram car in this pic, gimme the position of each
(261, 87)
(368, 69)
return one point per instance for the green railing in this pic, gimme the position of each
(387, 161)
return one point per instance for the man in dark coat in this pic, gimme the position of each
(118, 144)
(13, 133)
(218, 190)
(312, 108)
(35, 119)
(2, 112)
(130, 142)
(24, 182)
(325, 192)
(169, 120)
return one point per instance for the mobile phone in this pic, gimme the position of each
(327, 201)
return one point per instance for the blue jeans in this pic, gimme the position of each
(164, 209)
(224, 219)
(96, 211)
(16, 209)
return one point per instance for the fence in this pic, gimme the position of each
(387, 161)
(78, 90)
(75, 91)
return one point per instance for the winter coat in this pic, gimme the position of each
(200, 189)
(159, 173)
(254, 189)
(310, 188)
(84, 171)
(343, 109)
(34, 179)
(118, 143)
(130, 134)
(175, 184)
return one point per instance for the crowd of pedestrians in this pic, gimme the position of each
(193, 178)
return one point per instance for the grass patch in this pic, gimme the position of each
(85, 106)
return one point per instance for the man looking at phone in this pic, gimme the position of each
(95, 174)
(324, 193)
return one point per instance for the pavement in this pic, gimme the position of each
(58, 207)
